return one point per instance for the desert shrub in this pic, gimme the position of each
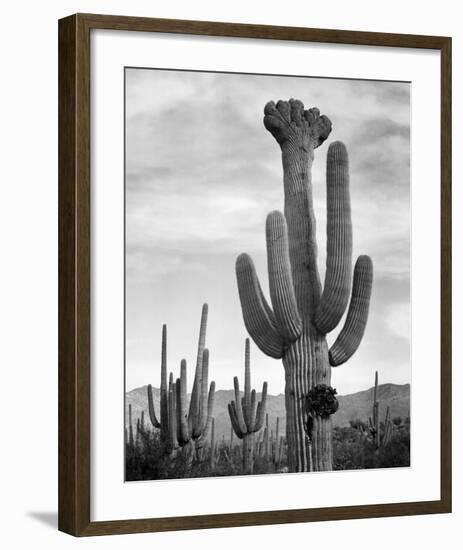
(352, 450)
(146, 459)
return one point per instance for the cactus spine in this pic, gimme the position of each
(294, 329)
(193, 422)
(246, 414)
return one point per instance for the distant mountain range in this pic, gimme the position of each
(352, 406)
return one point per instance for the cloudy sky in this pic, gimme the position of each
(201, 175)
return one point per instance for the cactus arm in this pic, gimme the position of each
(268, 310)
(266, 437)
(335, 297)
(253, 410)
(245, 412)
(172, 419)
(351, 334)
(260, 415)
(210, 408)
(234, 420)
(193, 415)
(164, 412)
(260, 325)
(151, 410)
(247, 384)
(212, 450)
(377, 426)
(130, 426)
(203, 395)
(238, 407)
(183, 432)
(280, 278)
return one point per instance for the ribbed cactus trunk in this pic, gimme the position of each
(306, 365)
(295, 328)
(248, 453)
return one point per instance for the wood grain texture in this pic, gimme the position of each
(74, 273)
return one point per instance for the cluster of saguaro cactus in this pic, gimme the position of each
(180, 424)
(270, 445)
(247, 414)
(380, 432)
(302, 313)
(133, 440)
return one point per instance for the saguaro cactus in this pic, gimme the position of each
(303, 313)
(131, 440)
(193, 423)
(212, 451)
(375, 426)
(167, 418)
(246, 414)
(276, 442)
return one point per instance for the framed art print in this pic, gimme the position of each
(255, 274)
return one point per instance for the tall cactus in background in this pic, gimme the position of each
(295, 329)
(213, 448)
(193, 422)
(167, 418)
(374, 422)
(179, 426)
(131, 441)
(246, 414)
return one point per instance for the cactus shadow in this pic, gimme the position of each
(49, 519)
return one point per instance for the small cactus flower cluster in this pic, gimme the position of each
(322, 400)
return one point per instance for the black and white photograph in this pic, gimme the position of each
(267, 274)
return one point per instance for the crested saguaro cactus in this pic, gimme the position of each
(193, 422)
(303, 313)
(246, 414)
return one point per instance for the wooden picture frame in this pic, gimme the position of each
(75, 288)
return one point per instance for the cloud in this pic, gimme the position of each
(202, 174)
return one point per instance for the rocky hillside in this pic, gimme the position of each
(353, 406)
